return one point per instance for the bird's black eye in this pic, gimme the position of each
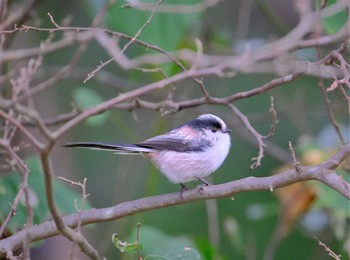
(215, 127)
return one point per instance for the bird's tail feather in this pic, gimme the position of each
(116, 148)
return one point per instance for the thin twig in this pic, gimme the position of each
(296, 163)
(79, 208)
(23, 169)
(274, 120)
(16, 123)
(65, 230)
(328, 250)
(322, 88)
(126, 46)
(259, 138)
(137, 240)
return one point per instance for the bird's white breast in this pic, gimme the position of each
(180, 167)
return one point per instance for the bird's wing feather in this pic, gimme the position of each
(174, 143)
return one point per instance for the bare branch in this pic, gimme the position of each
(259, 138)
(323, 172)
(60, 224)
(138, 33)
(19, 14)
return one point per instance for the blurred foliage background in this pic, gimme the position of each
(243, 227)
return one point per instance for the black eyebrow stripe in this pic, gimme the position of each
(206, 123)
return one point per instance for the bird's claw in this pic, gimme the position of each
(183, 189)
(201, 186)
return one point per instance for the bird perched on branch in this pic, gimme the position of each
(189, 152)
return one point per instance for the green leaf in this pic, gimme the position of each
(158, 245)
(186, 253)
(334, 23)
(124, 246)
(86, 98)
(155, 257)
(165, 30)
(9, 186)
(332, 201)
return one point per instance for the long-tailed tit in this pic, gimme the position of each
(189, 152)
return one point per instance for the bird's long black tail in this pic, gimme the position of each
(116, 148)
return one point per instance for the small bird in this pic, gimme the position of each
(189, 152)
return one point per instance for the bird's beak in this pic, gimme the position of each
(227, 131)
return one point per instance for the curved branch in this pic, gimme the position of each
(323, 172)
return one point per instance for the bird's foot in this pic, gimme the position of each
(204, 184)
(183, 189)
